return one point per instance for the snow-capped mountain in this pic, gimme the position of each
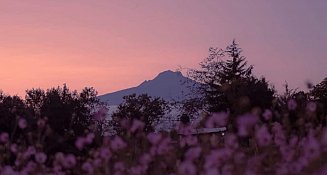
(168, 85)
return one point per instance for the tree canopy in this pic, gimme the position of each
(65, 110)
(143, 108)
(319, 91)
(227, 82)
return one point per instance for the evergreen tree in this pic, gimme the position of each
(235, 67)
(228, 85)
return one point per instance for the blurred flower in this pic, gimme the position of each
(239, 157)
(13, 148)
(193, 153)
(303, 161)
(59, 158)
(217, 120)
(214, 140)
(4, 137)
(105, 153)
(137, 124)
(101, 114)
(58, 170)
(185, 129)
(97, 162)
(217, 157)
(311, 148)
(263, 136)
(188, 141)
(231, 141)
(287, 153)
(145, 159)
(293, 141)
(164, 146)
(249, 172)
(324, 138)
(212, 171)
(31, 166)
(119, 166)
(7, 170)
(291, 149)
(106, 140)
(29, 152)
(89, 138)
(154, 138)
(291, 104)
(80, 143)
(322, 170)
(125, 123)
(41, 123)
(187, 168)
(22, 124)
(87, 167)
(227, 169)
(40, 157)
(311, 107)
(279, 136)
(137, 170)
(267, 114)
(69, 161)
(117, 143)
(245, 124)
(282, 169)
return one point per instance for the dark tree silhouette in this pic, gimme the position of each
(235, 67)
(319, 95)
(143, 107)
(228, 85)
(319, 92)
(67, 112)
(12, 108)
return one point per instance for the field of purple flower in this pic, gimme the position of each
(260, 146)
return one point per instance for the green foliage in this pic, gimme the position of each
(143, 107)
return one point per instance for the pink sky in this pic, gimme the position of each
(112, 45)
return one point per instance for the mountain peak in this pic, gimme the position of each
(168, 74)
(168, 85)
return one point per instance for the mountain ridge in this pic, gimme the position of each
(168, 85)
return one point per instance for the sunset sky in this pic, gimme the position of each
(112, 45)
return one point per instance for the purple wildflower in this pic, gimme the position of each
(267, 114)
(137, 125)
(291, 104)
(263, 136)
(117, 143)
(4, 137)
(245, 123)
(80, 143)
(22, 123)
(40, 157)
(87, 167)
